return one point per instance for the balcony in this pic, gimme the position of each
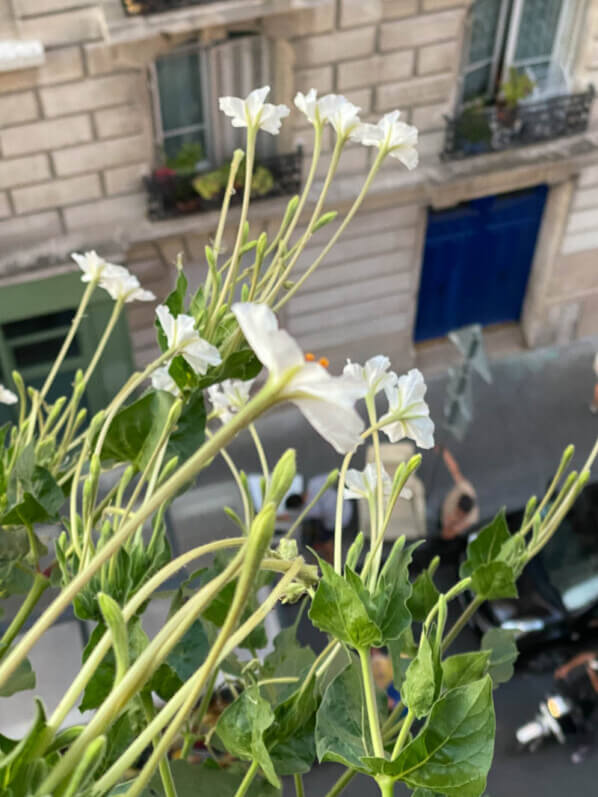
(479, 130)
(135, 8)
(173, 193)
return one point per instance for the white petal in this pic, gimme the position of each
(166, 322)
(408, 156)
(234, 107)
(7, 396)
(421, 431)
(255, 100)
(273, 347)
(162, 380)
(341, 426)
(200, 354)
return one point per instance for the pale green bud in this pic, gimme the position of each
(325, 219)
(86, 768)
(287, 549)
(114, 619)
(282, 477)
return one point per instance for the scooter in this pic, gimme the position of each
(564, 715)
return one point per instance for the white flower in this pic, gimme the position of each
(253, 111)
(409, 415)
(363, 483)
(396, 138)
(91, 264)
(7, 396)
(121, 284)
(326, 401)
(181, 334)
(229, 396)
(341, 113)
(162, 380)
(374, 375)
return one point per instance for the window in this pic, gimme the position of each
(35, 317)
(533, 36)
(187, 84)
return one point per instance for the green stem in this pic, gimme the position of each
(264, 399)
(308, 181)
(299, 790)
(164, 767)
(231, 276)
(247, 780)
(465, 617)
(403, 734)
(354, 208)
(338, 521)
(386, 786)
(376, 550)
(39, 586)
(304, 512)
(342, 783)
(260, 452)
(91, 664)
(69, 339)
(370, 702)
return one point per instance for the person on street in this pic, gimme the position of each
(460, 509)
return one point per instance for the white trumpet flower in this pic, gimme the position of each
(181, 335)
(374, 375)
(253, 112)
(91, 264)
(229, 397)
(341, 114)
(397, 139)
(408, 414)
(162, 380)
(363, 483)
(121, 284)
(326, 401)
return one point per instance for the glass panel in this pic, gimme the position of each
(484, 26)
(41, 323)
(44, 351)
(537, 28)
(476, 83)
(177, 155)
(181, 103)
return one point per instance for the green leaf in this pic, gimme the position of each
(14, 545)
(423, 597)
(421, 684)
(339, 720)
(288, 659)
(41, 501)
(452, 754)
(241, 728)
(135, 430)
(122, 733)
(217, 611)
(503, 654)
(242, 364)
(463, 668)
(175, 301)
(295, 755)
(189, 433)
(393, 591)
(22, 678)
(188, 654)
(337, 609)
(494, 580)
(486, 547)
(14, 764)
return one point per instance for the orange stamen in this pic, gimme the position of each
(310, 358)
(324, 362)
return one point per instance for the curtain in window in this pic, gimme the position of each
(236, 67)
(536, 41)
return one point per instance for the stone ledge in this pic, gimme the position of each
(185, 20)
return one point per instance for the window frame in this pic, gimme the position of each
(206, 128)
(505, 44)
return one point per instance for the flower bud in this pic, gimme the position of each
(287, 549)
(282, 477)
(114, 619)
(325, 219)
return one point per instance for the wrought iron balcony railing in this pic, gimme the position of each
(477, 130)
(135, 8)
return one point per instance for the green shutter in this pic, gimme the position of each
(34, 319)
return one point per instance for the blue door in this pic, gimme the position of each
(477, 261)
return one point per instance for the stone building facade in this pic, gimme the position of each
(78, 133)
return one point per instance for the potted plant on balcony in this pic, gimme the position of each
(210, 186)
(518, 86)
(472, 128)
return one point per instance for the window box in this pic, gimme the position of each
(172, 193)
(477, 130)
(134, 8)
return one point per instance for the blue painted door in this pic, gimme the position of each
(477, 261)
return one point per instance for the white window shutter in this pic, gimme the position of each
(236, 67)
